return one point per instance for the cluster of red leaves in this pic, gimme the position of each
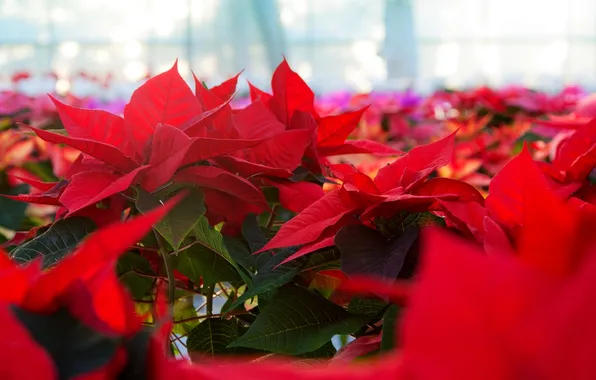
(86, 285)
(510, 298)
(168, 134)
(400, 186)
(508, 313)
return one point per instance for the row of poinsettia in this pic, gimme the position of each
(476, 308)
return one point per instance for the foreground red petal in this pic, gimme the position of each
(462, 308)
(22, 357)
(98, 250)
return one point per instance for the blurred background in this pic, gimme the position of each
(107, 47)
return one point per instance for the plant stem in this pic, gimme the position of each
(190, 319)
(169, 268)
(272, 216)
(223, 290)
(209, 290)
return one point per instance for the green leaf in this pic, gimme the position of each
(241, 254)
(75, 349)
(212, 337)
(325, 351)
(138, 286)
(213, 241)
(324, 259)
(390, 325)
(370, 307)
(179, 222)
(184, 309)
(128, 268)
(198, 262)
(271, 276)
(56, 242)
(253, 234)
(13, 212)
(297, 321)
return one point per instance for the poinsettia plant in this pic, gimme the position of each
(243, 240)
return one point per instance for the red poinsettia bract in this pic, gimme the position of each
(399, 186)
(84, 283)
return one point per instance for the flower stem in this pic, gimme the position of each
(168, 266)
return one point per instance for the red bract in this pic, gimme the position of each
(397, 187)
(475, 316)
(270, 163)
(292, 102)
(163, 129)
(85, 283)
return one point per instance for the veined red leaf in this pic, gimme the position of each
(359, 147)
(197, 126)
(220, 125)
(442, 186)
(309, 225)
(49, 197)
(296, 196)
(256, 121)
(258, 95)
(326, 240)
(226, 89)
(225, 207)
(35, 183)
(403, 202)
(247, 169)
(417, 164)
(169, 148)
(283, 151)
(204, 148)
(109, 154)
(290, 94)
(224, 181)
(96, 125)
(334, 130)
(88, 188)
(466, 216)
(305, 121)
(165, 99)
